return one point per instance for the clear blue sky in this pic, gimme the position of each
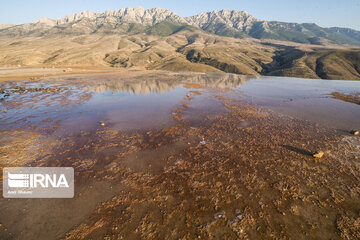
(326, 13)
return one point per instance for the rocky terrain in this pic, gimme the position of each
(225, 41)
(240, 23)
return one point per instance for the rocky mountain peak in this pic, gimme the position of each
(131, 15)
(239, 20)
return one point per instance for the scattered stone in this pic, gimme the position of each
(202, 142)
(355, 133)
(219, 215)
(318, 154)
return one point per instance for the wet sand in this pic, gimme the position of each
(202, 161)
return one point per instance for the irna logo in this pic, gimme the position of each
(37, 180)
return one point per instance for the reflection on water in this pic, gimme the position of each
(162, 84)
(147, 101)
(122, 103)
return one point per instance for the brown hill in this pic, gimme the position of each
(190, 50)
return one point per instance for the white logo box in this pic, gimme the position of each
(38, 182)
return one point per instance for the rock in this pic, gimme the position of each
(318, 154)
(202, 142)
(238, 20)
(4, 111)
(109, 18)
(219, 215)
(355, 133)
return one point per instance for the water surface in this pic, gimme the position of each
(147, 102)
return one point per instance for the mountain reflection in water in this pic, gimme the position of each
(163, 83)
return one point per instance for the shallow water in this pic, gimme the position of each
(307, 99)
(83, 103)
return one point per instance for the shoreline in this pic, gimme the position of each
(32, 72)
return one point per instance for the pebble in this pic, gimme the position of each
(355, 133)
(219, 215)
(318, 154)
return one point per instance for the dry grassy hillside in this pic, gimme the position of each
(183, 51)
(325, 63)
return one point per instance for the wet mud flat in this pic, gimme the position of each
(211, 166)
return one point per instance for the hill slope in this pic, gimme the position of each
(188, 50)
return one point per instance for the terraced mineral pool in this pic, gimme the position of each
(185, 155)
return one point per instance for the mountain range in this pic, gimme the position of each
(218, 41)
(157, 21)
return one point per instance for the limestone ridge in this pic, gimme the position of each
(239, 23)
(138, 15)
(158, 21)
(87, 22)
(214, 21)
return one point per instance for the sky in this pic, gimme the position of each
(325, 13)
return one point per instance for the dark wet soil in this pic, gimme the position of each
(218, 167)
